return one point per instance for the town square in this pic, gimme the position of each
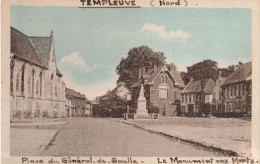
(126, 84)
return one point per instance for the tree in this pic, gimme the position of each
(185, 77)
(204, 70)
(138, 57)
(172, 66)
(227, 71)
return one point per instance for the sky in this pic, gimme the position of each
(89, 43)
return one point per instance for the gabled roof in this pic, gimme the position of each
(195, 87)
(152, 74)
(21, 46)
(177, 77)
(70, 93)
(33, 49)
(241, 74)
(43, 48)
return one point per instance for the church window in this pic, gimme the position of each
(40, 84)
(11, 76)
(22, 80)
(18, 82)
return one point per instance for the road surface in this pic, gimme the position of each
(84, 136)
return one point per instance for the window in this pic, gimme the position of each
(11, 76)
(235, 90)
(162, 79)
(182, 98)
(186, 98)
(40, 75)
(22, 80)
(165, 79)
(189, 97)
(32, 76)
(163, 92)
(18, 82)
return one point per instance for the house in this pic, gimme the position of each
(78, 103)
(237, 90)
(122, 91)
(162, 88)
(217, 106)
(197, 97)
(36, 85)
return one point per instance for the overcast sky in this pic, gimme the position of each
(89, 43)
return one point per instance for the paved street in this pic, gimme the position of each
(102, 137)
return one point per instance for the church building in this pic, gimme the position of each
(36, 85)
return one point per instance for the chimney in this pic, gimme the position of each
(140, 73)
(143, 70)
(154, 67)
(219, 73)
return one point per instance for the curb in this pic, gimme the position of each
(37, 125)
(194, 143)
(54, 136)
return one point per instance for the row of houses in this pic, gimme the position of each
(36, 85)
(165, 89)
(230, 95)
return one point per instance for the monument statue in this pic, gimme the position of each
(141, 104)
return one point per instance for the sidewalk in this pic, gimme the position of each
(29, 142)
(39, 123)
(234, 137)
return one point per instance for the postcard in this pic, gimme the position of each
(130, 81)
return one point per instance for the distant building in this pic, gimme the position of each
(122, 91)
(217, 106)
(237, 90)
(162, 88)
(197, 97)
(76, 103)
(36, 85)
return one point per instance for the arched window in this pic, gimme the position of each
(18, 82)
(22, 79)
(33, 72)
(163, 92)
(40, 76)
(11, 76)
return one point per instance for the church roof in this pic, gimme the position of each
(34, 49)
(21, 46)
(43, 47)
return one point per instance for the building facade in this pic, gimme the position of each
(217, 106)
(36, 86)
(162, 88)
(197, 97)
(237, 91)
(76, 103)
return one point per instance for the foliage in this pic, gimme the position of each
(204, 70)
(152, 108)
(110, 105)
(171, 66)
(227, 71)
(185, 77)
(138, 57)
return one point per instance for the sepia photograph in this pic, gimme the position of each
(130, 82)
